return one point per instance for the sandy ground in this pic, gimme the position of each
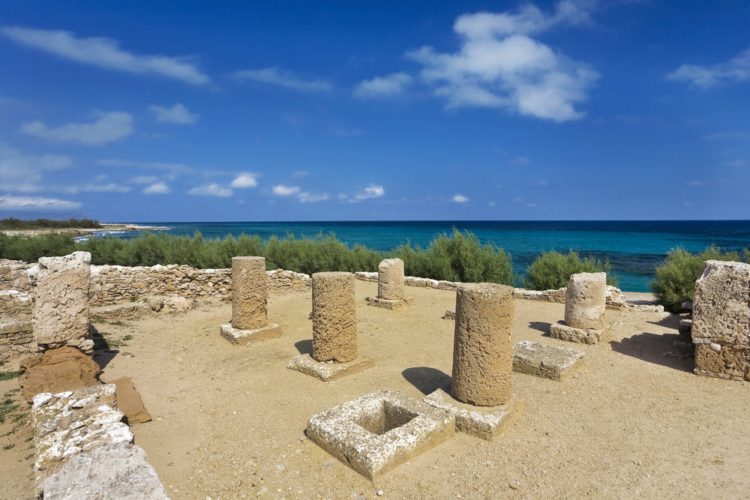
(229, 421)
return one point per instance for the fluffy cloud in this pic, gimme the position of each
(305, 197)
(144, 179)
(19, 170)
(383, 86)
(110, 187)
(178, 114)
(245, 180)
(736, 69)
(459, 198)
(282, 190)
(36, 204)
(298, 194)
(500, 65)
(371, 191)
(110, 126)
(280, 78)
(157, 188)
(105, 53)
(212, 189)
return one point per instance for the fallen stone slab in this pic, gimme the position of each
(130, 402)
(392, 305)
(376, 432)
(484, 422)
(578, 335)
(57, 370)
(543, 360)
(327, 370)
(247, 337)
(111, 471)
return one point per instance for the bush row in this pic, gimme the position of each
(13, 223)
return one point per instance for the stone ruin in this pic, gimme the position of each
(585, 303)
(249, 303)
(335, 351)
(390, 286)
(721, 321)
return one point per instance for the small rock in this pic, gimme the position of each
(379, 493)
(514, 484)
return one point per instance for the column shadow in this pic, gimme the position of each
(426, 379)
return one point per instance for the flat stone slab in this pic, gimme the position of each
(544, 360)
(327, 370)
(247, 337)
(378, 431)
(389, 304)
(578, 335)
(484, 422)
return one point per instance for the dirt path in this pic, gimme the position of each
(229, 421)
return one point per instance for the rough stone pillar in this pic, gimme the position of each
(334, 317)
(391, 279)
(483, 345)
(249, 293)
(61, 308)
(585, 300)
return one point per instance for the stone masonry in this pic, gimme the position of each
(721, 321)
(61, 306)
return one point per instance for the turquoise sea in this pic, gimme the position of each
(634, 248)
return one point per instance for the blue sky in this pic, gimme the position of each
(156, 111)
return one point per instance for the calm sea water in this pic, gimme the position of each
(634, 248)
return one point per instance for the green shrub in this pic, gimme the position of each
(553, 269)
(30, 248)
(15, 224)
(675, 279)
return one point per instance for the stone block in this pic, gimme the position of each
(586, 301)
(727, 362)
(686, 326)
(247, 337)
(577, 335)
(721, 304)
(389, 304)
(249, 293)
(130, 402)
(327, 370)
(378, 431)
(543, 360)
(484, 422)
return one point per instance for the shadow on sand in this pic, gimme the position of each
(304, 346)
(541, 326)
(427, 379)
(655, 348)
(103, 353)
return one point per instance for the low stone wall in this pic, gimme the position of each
(15, 305)
(16, 338)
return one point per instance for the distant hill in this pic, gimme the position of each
(13, 223)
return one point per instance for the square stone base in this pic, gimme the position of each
(327, 370)
(578, 335)
(246, 337)
(389, 304)
(543, 360)
(484, 422)
(378, 431)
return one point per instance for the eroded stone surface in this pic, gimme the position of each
(544, 360)
(379, 431)
(393, 305)
(16, 339)
(247, 337)
(482, 422)
(327, 370)
(249, 293)
(334, 317)
(391, 279)
(61, 305)
(482, 346)
(577, 335)
(585, 301)
(112, 471)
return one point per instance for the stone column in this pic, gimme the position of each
(334, 317)
(391, 279)
(61, 308)
(585, 301)
(483, 346)
(249, 293)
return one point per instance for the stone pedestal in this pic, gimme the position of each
(334, 321)
(585, 303)
(249, 303)
(390, 286)
(61, 308)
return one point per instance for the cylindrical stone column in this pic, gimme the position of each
(334, 317)
(585, 300)
(483, 344)
(391, 279)
(249, 293)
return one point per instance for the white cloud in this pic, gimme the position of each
(500, 65)
(383, 86)
(459, 198)
(178, 114)
(157, 188)
(105, 53)
(371, 191)
(212, 189)
(144, 179)
(736, 69)
(110, 126)
(305, 197)
(110, 187)
(281, 190)
(33, 203)
(281, 78)
(18, 168)
(245, 180)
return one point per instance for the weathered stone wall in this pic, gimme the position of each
(15, 305)
(16, 338)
